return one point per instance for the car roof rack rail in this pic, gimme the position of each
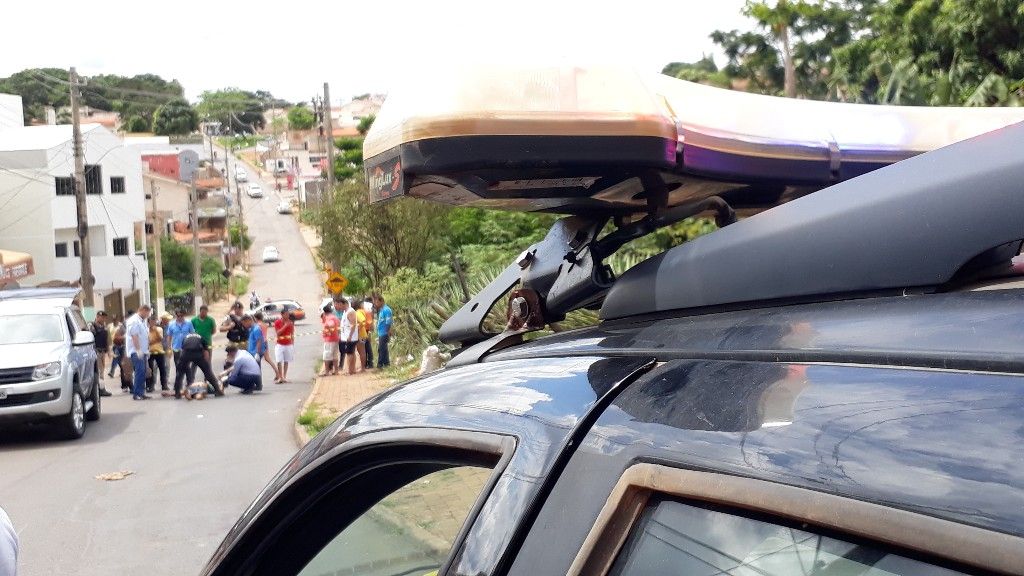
(563, 272)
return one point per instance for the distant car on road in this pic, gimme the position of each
(241, 175)
(48, 368)
(270, 254)
(285, 207)
(255, 191)
(272, 310)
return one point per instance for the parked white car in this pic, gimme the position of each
(285, 207)
(241, 175)
(255, 191)
(270, 254)
(48, 369)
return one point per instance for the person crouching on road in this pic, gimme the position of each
(192, 355)
(245, 372)
(136, 344)
(331, 329)
(284, 349)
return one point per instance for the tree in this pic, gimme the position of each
(365, 124)
(703, 71)
(237, 110)
(923, 52)
(38, 88)
(377, 240)
(135, 124)
(175, 117)
(300, 118)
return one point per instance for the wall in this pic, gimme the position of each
(164, 164)
(11, 111)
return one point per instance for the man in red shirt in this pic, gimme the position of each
(331, 335)
(284, 351)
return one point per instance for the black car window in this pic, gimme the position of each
(410, 531)
(696, 539)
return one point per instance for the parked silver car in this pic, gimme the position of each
(48, 365)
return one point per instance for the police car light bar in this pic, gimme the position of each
(581, 140)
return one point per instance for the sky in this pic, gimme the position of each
(291, 49)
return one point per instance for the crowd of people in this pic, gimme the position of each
(143, 348)
(348, 328)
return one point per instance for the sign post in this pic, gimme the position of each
(336, 284)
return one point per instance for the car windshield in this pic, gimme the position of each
(30, 329)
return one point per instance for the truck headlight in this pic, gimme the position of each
(44, 371)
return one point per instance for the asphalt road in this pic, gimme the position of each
(195, 465)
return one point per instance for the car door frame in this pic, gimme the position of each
(83, 363)
(940, 539)
(250, 548)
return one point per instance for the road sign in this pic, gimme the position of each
(336, 283)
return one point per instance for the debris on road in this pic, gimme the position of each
(115, 476)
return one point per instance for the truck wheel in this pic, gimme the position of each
(94, 413)
(72, 425)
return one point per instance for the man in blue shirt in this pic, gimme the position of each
(384, 320)
(257, 344)
(176, 331)
(244, 372)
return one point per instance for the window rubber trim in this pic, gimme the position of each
(943, 539)
(461, 446)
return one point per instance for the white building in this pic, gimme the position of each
(11, 111)
(38, 213)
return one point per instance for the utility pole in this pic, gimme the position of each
(80, 204)
(158, 232)
(242, 252)
(197, 286)
(330, 140)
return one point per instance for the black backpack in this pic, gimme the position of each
(193, 343)
(237, 331)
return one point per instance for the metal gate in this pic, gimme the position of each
(133, 300)
(113, 304)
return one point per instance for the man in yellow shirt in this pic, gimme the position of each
(363, 334)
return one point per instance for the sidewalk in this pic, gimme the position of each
(333, 395)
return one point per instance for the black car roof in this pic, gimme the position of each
(914, 224)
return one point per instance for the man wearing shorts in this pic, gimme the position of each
(349, 337)
(331, 329)
(284, 350)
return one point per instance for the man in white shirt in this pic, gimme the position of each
(136, 345)
(244, 372)
(8, 546)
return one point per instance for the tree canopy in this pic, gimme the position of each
(238, 111)
(920, 52)
(136, 98)
(175, 117)
(301, 118)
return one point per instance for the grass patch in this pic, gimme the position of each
(313, 421)
(400, 372)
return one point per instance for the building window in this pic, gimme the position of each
(78, 249)
(61, 249)
(93, 179)
(149, 228)
(120, 246)
(65, 186)
(117, 185)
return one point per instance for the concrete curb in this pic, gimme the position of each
(301, 435)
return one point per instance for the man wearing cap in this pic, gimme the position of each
(101, 339)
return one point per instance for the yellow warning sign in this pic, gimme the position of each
(336, 283)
